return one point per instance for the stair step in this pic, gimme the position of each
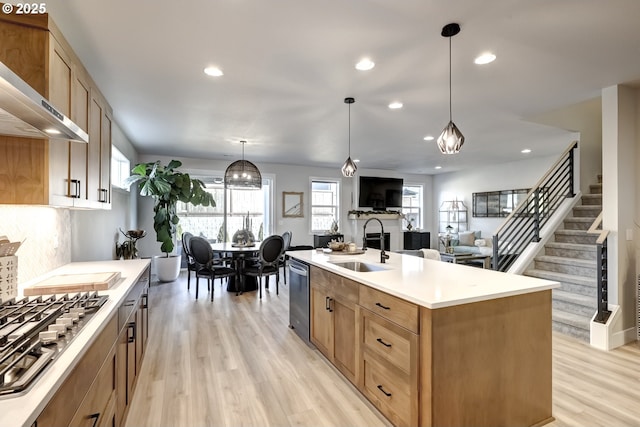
(575, 236)
(567, 265)
(587, 211)
(571, 324)
(595, 188)
(568, 283)
(573, 223)
(571, 250)
(592, 199)
(578, 304)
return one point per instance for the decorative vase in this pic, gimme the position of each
(334, 227)
(167, 268)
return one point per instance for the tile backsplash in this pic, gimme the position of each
(47, 237)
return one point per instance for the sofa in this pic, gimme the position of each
(472, 242)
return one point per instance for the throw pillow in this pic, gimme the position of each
(466, 238)
(480, 242)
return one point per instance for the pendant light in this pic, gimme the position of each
(349, 168)
(242, 174)
(451, 139)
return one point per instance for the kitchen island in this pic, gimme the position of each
(60, 390)
(432, 343)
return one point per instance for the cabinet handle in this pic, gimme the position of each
(326, 303)
(382, 306)
(132, 328)
(330, 305)
(103, 195)
(95, 417)
(382, 390)
(75, 192)
(383, 343)
(145, 301)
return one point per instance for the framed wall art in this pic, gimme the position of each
(292, 204)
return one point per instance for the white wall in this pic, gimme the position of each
(585, 118)
(619, 188)
(508, 176)
(287, 178)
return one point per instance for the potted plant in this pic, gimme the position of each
(168, 186)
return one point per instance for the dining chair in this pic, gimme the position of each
(206, 265)
(191, 264)
(268, 261)
(286, 237)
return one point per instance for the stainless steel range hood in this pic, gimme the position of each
(24, 112)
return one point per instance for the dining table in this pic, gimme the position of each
(239, 252)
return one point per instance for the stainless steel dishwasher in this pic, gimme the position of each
(299, 298)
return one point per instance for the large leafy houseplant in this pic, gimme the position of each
(168, 186)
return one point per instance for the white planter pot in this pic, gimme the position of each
(167, 268)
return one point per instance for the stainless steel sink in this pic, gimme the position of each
(358, 266)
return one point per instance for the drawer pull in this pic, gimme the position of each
(382, 306)
(383, 343)
(326, 303)
(95, 417)
(382, 390)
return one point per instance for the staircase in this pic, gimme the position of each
(571, 260)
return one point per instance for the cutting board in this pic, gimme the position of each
(69, 283)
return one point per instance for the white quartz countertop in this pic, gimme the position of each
(23, 409)
(429, 283)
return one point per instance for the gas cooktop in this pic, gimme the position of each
(35, 330)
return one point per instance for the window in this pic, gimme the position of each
(120, 168)
(412, 205)
(250, 207)
(325, 205)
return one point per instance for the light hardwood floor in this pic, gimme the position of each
(235, 362)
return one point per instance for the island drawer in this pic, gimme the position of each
(390, 393)
(335, 285)
(389, 341)
(391, 308)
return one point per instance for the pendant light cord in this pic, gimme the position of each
(349, 130)
(450, 78)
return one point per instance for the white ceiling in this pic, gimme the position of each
(289, 64)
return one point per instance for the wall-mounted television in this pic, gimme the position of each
(380, 193)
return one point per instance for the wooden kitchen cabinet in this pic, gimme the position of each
(89, 388)
(54, 172)
(333, 319)
(133, 324)
(388, 367)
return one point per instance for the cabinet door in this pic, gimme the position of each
(105, 160)
(79, 115)
(321, 321)
(95, 409)
(60, 77)
(95, 144)
(344, 350)
(121, 376)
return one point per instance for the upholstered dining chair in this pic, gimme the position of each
(431, 254)
(286, 237)
(206, 265)
(191, 264)
(268, 261)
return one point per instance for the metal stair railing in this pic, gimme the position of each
(601, 269)
(524, 223)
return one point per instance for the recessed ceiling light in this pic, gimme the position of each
(485, 58)
(213, 71)
(526, 151)
(438, 167)
(52, 131)
(356, 160)
(428, 138)
(365, 64)
(395, 105)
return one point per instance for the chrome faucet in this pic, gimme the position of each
(383, 254)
